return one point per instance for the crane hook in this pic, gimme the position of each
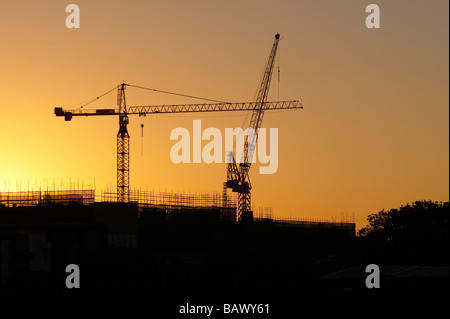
(142, 137)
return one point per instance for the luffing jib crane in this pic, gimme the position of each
(238, 175)
(122, 111)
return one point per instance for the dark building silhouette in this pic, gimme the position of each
(164, 238)
(176, 247)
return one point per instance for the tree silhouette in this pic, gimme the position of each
(416, 233)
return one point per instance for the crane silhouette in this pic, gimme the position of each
(123, 137)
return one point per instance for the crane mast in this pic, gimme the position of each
(237, 176)
(123, 148)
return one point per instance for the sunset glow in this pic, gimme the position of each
(373, 134)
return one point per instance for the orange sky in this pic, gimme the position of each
(374, 132)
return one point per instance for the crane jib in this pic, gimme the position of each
(187, 108)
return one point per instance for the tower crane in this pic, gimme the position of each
(123, 111)
(238, 175)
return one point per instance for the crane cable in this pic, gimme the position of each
(142, 136)
(150, 89)
(178, 94)
(278, 72)
(95, 99)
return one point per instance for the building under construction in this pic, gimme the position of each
(41, 232)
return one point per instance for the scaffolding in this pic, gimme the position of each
(142, 198)
(46, 198)
(161, 201)
(304, 222)
(165, 199)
